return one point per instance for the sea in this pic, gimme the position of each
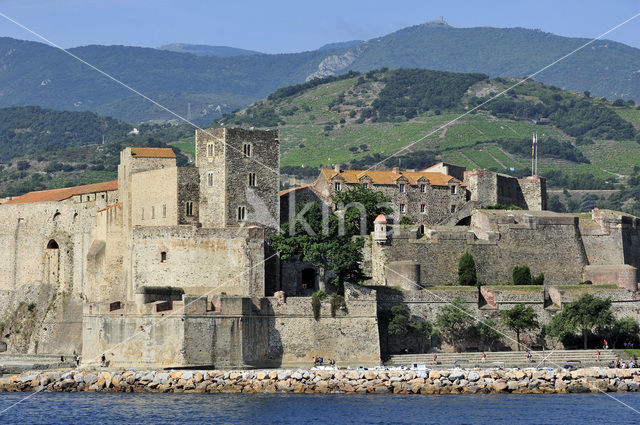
(249, 409)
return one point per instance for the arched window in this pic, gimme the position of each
(56, 216)
(53, 244)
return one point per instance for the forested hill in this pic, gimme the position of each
(358, 120)
(204, 87)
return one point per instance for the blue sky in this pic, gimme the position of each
(280, 26)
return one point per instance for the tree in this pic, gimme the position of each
(455, 323)
(323, 246)
(582, 316)
(374, 203)
(467, 270)
(399, 321)
(521, 275)
(402, 323)
(520, 318)
(620, 331)
(487, 333)
(556, 205)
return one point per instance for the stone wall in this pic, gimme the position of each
(490, 188)
(156, 199)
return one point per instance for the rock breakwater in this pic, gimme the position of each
(456, 381)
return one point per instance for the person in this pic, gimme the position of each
(103, 360)
(598, 355)
(435, 358)
(61, 359)
(77, 360)
(484, 357)
(528, 356)
(606, 345)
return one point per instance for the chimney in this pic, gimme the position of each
(336, 168)
(396, 170)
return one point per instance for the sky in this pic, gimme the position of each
(282, 26)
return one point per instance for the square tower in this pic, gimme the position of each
(239, 177)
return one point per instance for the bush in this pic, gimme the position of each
(467, 270)
(405, 220)
(316, 302)
(538, 280)
(521, 275)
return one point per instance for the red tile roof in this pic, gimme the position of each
(55, 195)
(388, 177)
(152, 153)
(111, 206)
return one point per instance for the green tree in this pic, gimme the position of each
(521, 275)
(455, 323)
(582, 316)
(556, 205)
(467, 270)
(374, 203)
(323, 246)
(398, 325)
(620, 331)
(487, 333)
(520, 318)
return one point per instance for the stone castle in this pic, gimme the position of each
(171, 266)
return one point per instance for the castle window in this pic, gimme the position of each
(453, 208)
(401, 187)
(252, 179)
(88, 198)
(246, 150)
(423, 208)
(423, 188)
(210, 149)
(163, 257)
(210, 179)
(403, 208)
(338, 187)
(153, 212)
(189, 209)
(453, 190)
(241, 213)
(164, 210)
(52, 244)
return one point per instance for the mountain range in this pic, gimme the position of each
(204, 82)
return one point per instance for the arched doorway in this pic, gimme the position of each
(53, 244)
(52, 263)
(308, 279)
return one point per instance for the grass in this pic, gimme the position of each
(631, 351)
(578, 288)
(514, 288)
(451, 288)
(186, 146)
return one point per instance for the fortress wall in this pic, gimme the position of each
(50, 279)
(200, 261)
(188, 191)
(547, 245)
(212, 197)
(156, 197)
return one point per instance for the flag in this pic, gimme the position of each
(534, 145)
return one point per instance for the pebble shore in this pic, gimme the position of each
(456, 381)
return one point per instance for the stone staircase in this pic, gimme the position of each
(555, 358)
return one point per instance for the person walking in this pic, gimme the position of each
(484, 357)
(606, 345)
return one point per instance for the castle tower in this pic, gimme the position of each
(380, 229)
(239, 177)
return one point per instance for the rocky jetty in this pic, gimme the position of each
(455, 381)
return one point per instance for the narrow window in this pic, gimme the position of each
(423, 208)
(453, 190)
(401, 187)
(453, 208)
(142, 214)
(88, 198)
(164, 210)
(246, 150)
(252, 179)
(366, 185)
(241, 213)
(423, 188)
(210, 179)
(189, 208)
(338, 187)
(163, 257)
(403, 208)
(210, 150)
(153, 213)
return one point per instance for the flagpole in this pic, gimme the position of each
(533, 146)
(536, 154)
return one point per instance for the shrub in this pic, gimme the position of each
(538, 280)
(521, 275)
(467, 270)
(316, 302)
(405, 220)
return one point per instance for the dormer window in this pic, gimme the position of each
(338, 187)
(453, 189)
(402, 187)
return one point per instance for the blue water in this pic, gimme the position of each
(141, 408)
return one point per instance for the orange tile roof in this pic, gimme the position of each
(55, 195)
(152, 153)
(389, 177)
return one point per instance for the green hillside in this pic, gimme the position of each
(359, 120)
(202, 86)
